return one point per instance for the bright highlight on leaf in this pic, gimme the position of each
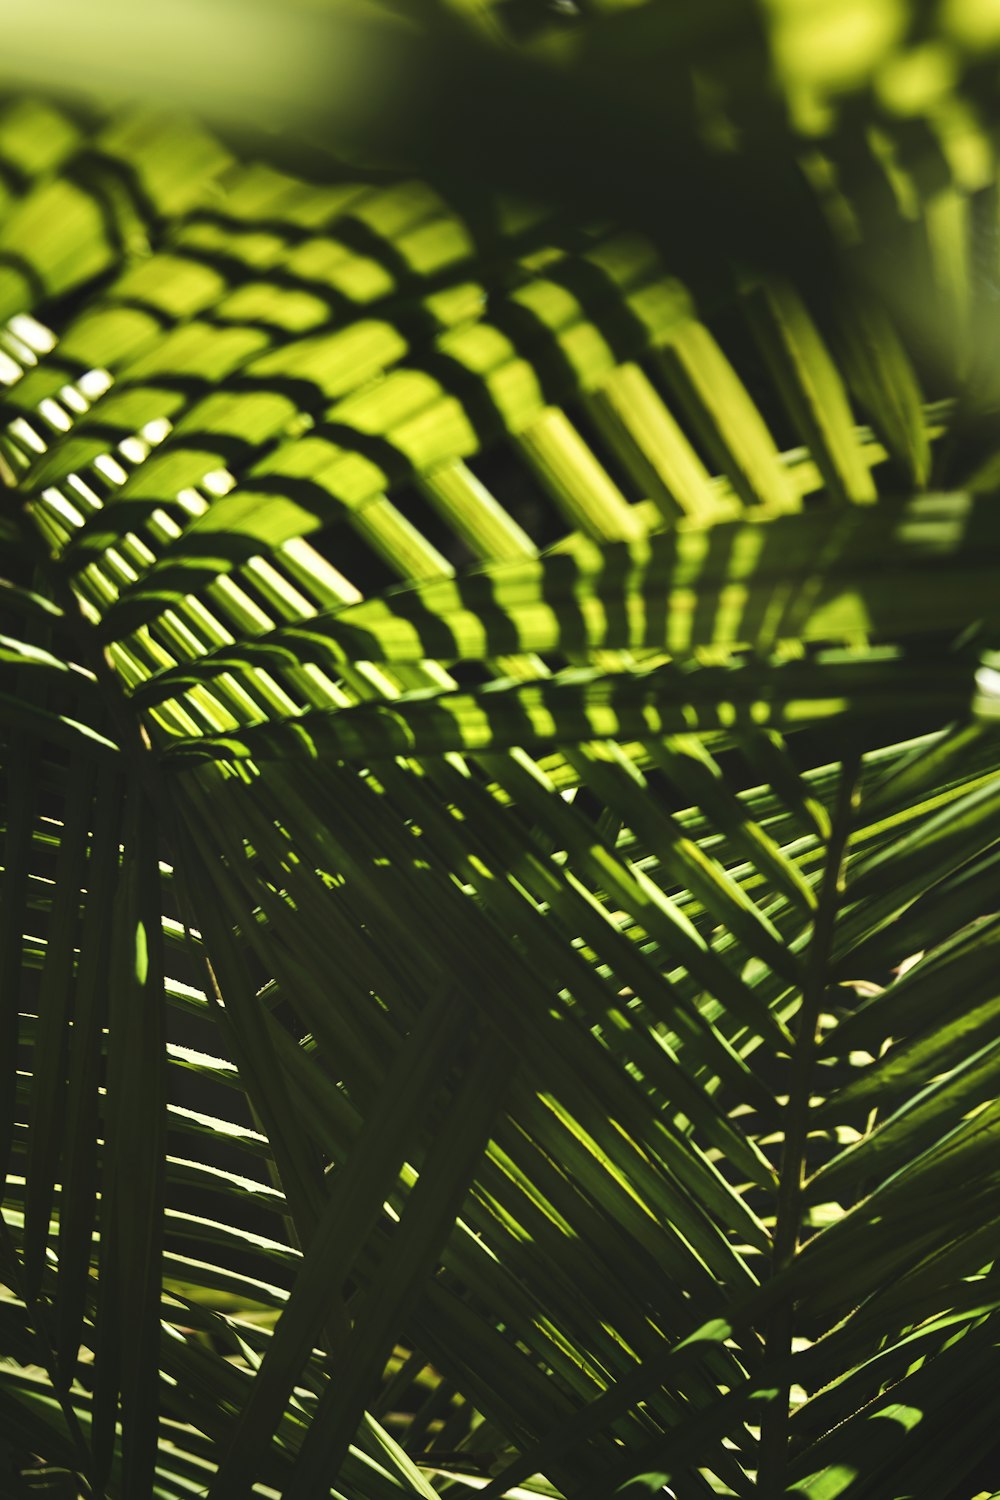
(141, 954)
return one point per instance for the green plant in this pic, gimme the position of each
(491, 720)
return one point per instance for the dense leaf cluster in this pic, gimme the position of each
(500, 805)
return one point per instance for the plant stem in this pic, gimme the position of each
(788, 1221)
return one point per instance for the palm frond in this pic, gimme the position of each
(500, 814)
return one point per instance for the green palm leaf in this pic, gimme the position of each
(499, 816)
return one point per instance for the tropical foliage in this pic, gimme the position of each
(501, 823)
